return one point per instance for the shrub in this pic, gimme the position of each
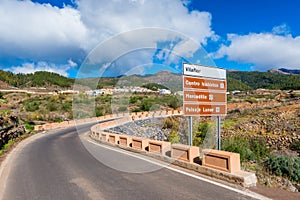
(168, 123)
(6, 146)
(52, 106)
(295, 146)
(174, 102)
(133, 99)
(31, 106)
(259, 149)
(229, 124)
(5, 112)
(288, 167)
(174, 137)
(3, 101)
(136, 110)
(99, 111)
(171, 123)
(239, 145)
(29, 126)
(253, 149)
(67, 106)
(201, 132)
(146, 105)
(58, 119)
(154, 86)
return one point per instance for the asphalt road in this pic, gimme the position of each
(58, 165)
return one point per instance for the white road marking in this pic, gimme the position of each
(246, 192)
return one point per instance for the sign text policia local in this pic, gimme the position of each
(204, 90)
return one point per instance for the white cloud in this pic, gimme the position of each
(263, 50)
(36, 31)
(106, 19)
(282, 29)
(28, 68)
(72, 63)
(33, 31)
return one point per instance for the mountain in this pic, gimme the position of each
(37, 79)
(267, 80)
(234, 84)
(165, 78)
(236, 80)
(277, 71)
(290, 71)
(284, 71)
(170, 80)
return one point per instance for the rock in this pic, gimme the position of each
(10, 129)
(290, 186)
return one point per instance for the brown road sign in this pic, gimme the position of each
(204, 96)
(190, 109)
(203, 83)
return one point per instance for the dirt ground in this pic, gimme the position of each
(276, 193)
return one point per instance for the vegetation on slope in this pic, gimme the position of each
(239, 80)
(233, 84)
(37, 79)
(154, 86)
(267, 80)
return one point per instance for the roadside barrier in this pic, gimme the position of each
(219, 164)
(125, 140)
(140, 143)
(221, 160)
(123, 118)
(159, 147)
(185, 153)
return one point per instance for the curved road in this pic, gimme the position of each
(60, 165)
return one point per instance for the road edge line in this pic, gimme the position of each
(244, 192)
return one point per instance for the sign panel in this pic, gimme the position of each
(203, 83)
(194, 109)
(205, 97)
(203, 71)
(204, 90)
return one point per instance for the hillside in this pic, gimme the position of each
(37, 79)
(266, 80)
(237, 80)
(164, 78)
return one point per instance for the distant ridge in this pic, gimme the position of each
(290, 71)
(279, 79)
(284, 71)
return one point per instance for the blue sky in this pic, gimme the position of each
(66, 36)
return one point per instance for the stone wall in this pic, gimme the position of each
(128, 117)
